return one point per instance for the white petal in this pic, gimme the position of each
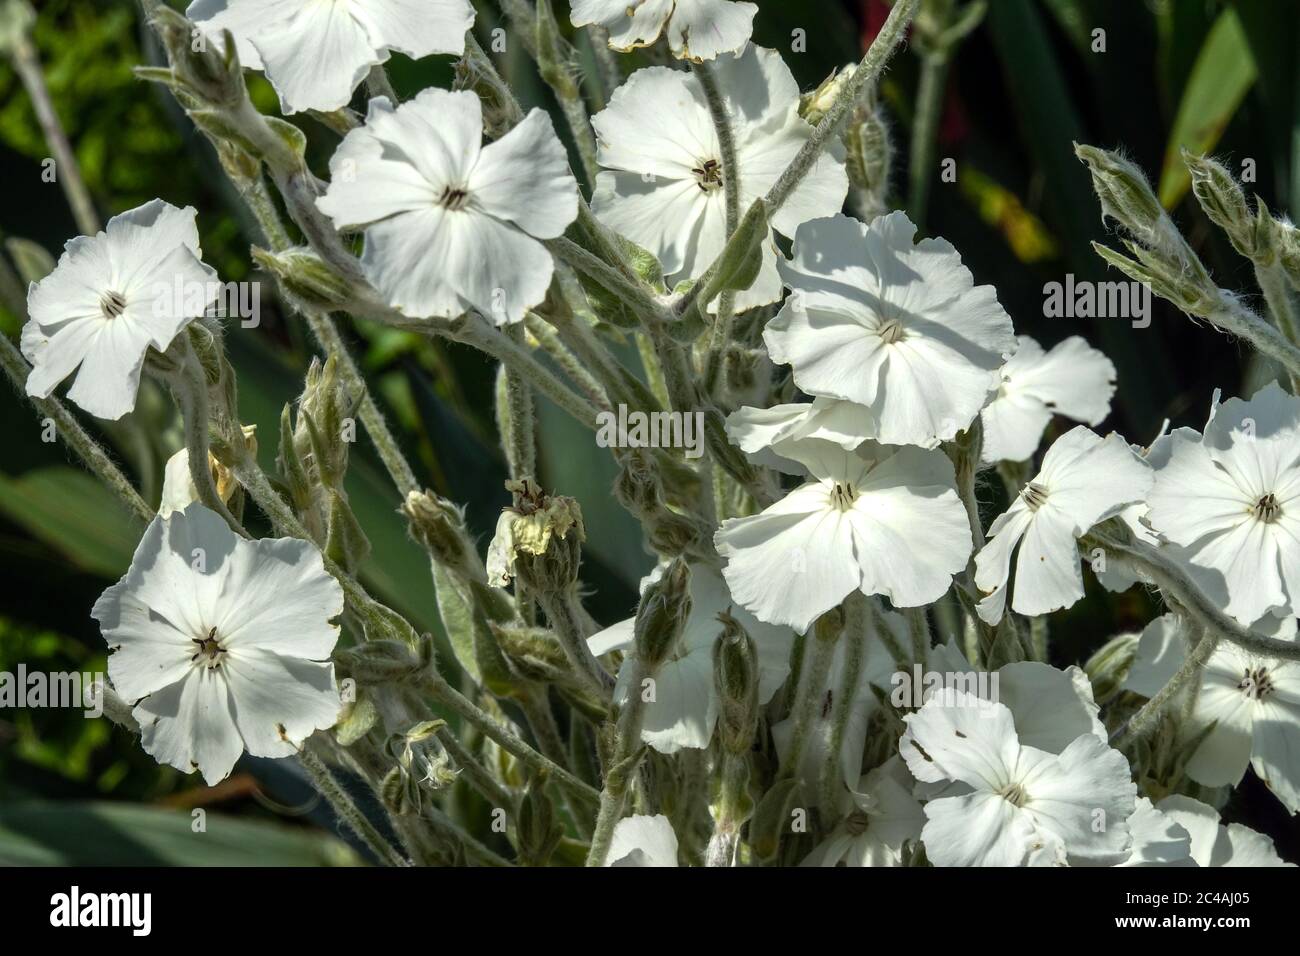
(794, 561)
(316, 58)
(1216, 845)
(977, 829)
(1157, 839)
(1084, 797)
(417, 27)
(189, 726)
(956, 736)
(1048, 573)
(685, 708)
(1275, 753)
(278, 702)
(524, 178)
(703, 29)
(643, 841)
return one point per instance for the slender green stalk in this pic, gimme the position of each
(1179, 586)
(882, 47)
(623, 764)
(346, 810)
(925, 129)
(560, 611)
(27, 65)
(77, 438)
(819, 652)
(1146, 719)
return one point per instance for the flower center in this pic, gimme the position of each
(1035, 495)
(210, 650)
(843, 496)
(708, 175)
(454, 198)
(1267, 509)
(892, 331)
(1256, 683)
(112, 304)
(1014, 794)
(857, 823)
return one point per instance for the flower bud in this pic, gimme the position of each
(735, 678)
(208, 69)
(538, 539)
(1108, 668)
(305, 275)
(1124, 192)
(662, 614)
(325, 427)
(440, 526)
(16, 19)
(537, 831)
(1223, 201)
(554, 55)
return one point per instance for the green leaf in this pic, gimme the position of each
(30, 259)
(1223, 73)
(74, 514)
(41, 833)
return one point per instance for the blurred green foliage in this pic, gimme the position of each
(1215, 75)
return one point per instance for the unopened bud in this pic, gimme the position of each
(440, 526)
(830, 625)
(305, 275)
(537, 831)
(662, 614)
(1223, 201)
(735, 678)
(1125, 194)
(1108, 668)
(208, 66)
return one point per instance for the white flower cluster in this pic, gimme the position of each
(838, 527)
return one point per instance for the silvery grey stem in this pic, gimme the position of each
(1145, 720)
(623, 763)
(191, 391)
(561, 612)
(1231, 315)
(882, 47)
(77, 438)
(346, 809)
(1177, 584)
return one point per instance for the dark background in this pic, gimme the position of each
(1211, 75)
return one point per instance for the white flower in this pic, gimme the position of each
(663, 184)
(1157, 838)
(1012, 805)
(1232, 500)
(113, 295)
(1050, 708)
(316, 52)
(885, 818)
(685, 706)
(643, 841)
(900, 328)
(1253, 703)
(452, 225)
(1073, 379)
(1214, 844)
(1084, 480)
(224, 643)
(876, 669)
(762, 432)
(890, 524)
(696, 29)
